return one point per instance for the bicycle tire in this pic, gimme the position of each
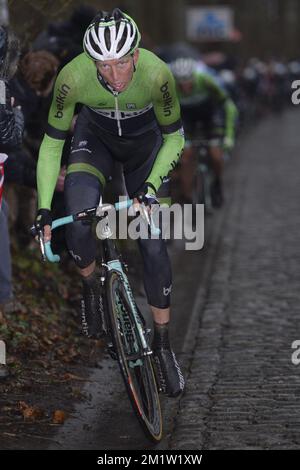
(139, 378)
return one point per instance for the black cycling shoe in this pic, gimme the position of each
(216, 192)
(169, 374)
(91, 308)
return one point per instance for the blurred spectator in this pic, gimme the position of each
(11, 129)
(32, 88)
(39, 71)
(64, 38)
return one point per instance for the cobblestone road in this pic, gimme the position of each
(243, 390)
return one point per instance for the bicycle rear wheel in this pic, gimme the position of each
(135, 366)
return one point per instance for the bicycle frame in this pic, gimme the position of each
(111, 259)
(116, 265)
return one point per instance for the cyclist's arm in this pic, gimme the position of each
(59, 121)
(222, 97)
(167, 111)
(231, 117)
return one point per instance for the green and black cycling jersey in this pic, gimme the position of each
(206, 95)
(150, 101)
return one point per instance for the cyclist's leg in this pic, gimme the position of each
(158, 285)
(157, 268)
(216, 153)
(89, 167)
(214, 132)
(82, 190)
(188, 164)
(216, 189)
(215, 135)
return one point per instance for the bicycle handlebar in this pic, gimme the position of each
(88, 214)
(55, 224)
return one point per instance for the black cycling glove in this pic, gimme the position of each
(146, 194)
(43, 218)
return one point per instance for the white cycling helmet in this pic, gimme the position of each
(183, 68)
(111, 36)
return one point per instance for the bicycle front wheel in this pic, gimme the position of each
(135, 365)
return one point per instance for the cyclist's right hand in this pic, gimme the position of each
(228, 144)
(43, 223)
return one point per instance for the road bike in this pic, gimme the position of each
(126, 335)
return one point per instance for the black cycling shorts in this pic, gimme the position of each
(95, 150)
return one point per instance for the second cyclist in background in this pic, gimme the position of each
(205, 105)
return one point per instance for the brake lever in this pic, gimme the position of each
(42, 244)
(145, 213)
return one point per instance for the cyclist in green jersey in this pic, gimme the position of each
(204, 102)
(130, 114)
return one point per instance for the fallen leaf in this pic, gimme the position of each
(69, 376)
(30, 413)
(59, 417)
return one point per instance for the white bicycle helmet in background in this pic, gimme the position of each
(183, 68)
(111, 36)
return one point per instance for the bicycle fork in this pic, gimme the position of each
(143, 332)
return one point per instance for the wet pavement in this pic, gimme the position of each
(243, 389)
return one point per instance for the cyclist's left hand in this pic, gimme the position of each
(146, 195)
